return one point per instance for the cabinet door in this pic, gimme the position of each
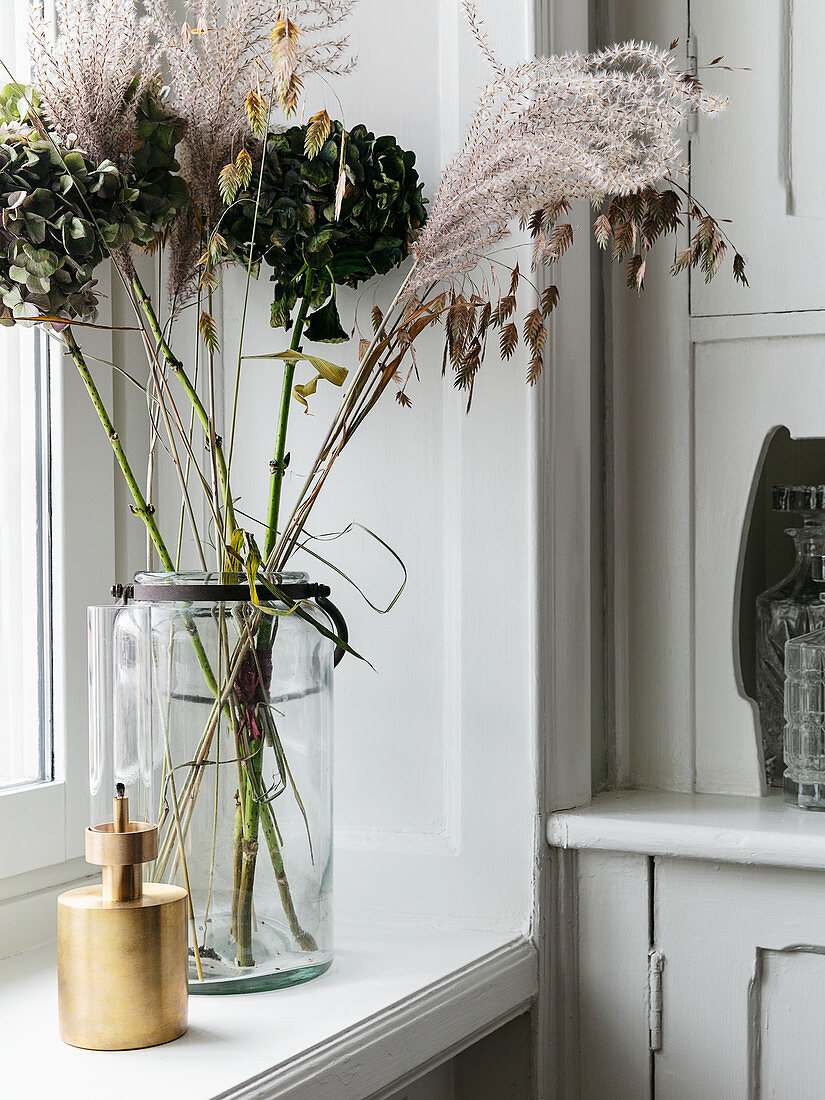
(761, 164)
(743, 981)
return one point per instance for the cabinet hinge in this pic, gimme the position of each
(655, 964)
(693, 70)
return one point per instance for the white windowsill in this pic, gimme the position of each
(727, 828)
(394, 1000)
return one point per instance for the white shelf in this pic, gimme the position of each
(393, 1001)
(727, 828)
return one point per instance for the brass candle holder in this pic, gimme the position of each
(122, 946)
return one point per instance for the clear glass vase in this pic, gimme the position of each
(804, 780)
(217, 717)
(791, 608)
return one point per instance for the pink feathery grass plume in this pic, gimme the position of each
(553, 129)
(91, 76)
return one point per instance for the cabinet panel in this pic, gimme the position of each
(761, 163)
(613, 942)
(784, 384)
(787, 1056)
(743, 981)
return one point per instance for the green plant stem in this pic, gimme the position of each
(283, 547)
(237, 841)
(140, 507)
(253, 766)
(304, 939)
(177, 367)
(277, 477)
(247, 822)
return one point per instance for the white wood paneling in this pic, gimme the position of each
(761, 163)
(435, 756)
(727, 828)
(649, 512)
(394, 1004)
(613, 909)
(727, 1011)
(805, 22)
(787, 984)
(688, 421)
(730, 434)
(435, 1085)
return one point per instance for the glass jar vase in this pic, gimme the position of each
(215, 711)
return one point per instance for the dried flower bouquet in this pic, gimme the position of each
(97, 159)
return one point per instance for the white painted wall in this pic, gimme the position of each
(698, 378)
(434, 754)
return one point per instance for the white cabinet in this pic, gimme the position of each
(761, 164)
(697, 953)
(688, 949)
(743, 989)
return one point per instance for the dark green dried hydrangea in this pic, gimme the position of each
(61, 214)
(296, 228)
(153, 171)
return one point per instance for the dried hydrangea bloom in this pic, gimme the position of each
(573, 126)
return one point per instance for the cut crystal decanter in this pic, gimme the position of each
(789, 609)
(804, 782)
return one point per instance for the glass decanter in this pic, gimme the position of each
(804, 781)
(791, 608)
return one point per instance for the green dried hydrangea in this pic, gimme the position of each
(296, 228)
(61, 214)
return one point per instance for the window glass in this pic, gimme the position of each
(25, 566)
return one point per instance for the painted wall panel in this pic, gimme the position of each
(761, 163)
(734, 1006)
(788, 997)
(613, 942)
(434, 754)
(730, 433)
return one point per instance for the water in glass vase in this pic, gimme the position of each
(236, 705)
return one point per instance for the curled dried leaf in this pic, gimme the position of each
(508, 341)
(549, 300)
(636, 272)
(602, 230)
(256, 111)
(534, 369)
(209, 332)
(534, 331)
(243, 168)
(229, 183)
(317, 133)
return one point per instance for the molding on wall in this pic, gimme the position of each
(756, 326)
(408, 1039)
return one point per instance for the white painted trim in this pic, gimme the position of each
(43, 808)
(756, 326)
(722, 828)
(28, 911)
(395, 1002)
(408, 1038)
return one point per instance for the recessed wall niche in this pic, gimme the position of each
(766, 552)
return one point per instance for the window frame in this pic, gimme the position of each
(53, 814)
(82, 564)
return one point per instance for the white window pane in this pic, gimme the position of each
(25, 695)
